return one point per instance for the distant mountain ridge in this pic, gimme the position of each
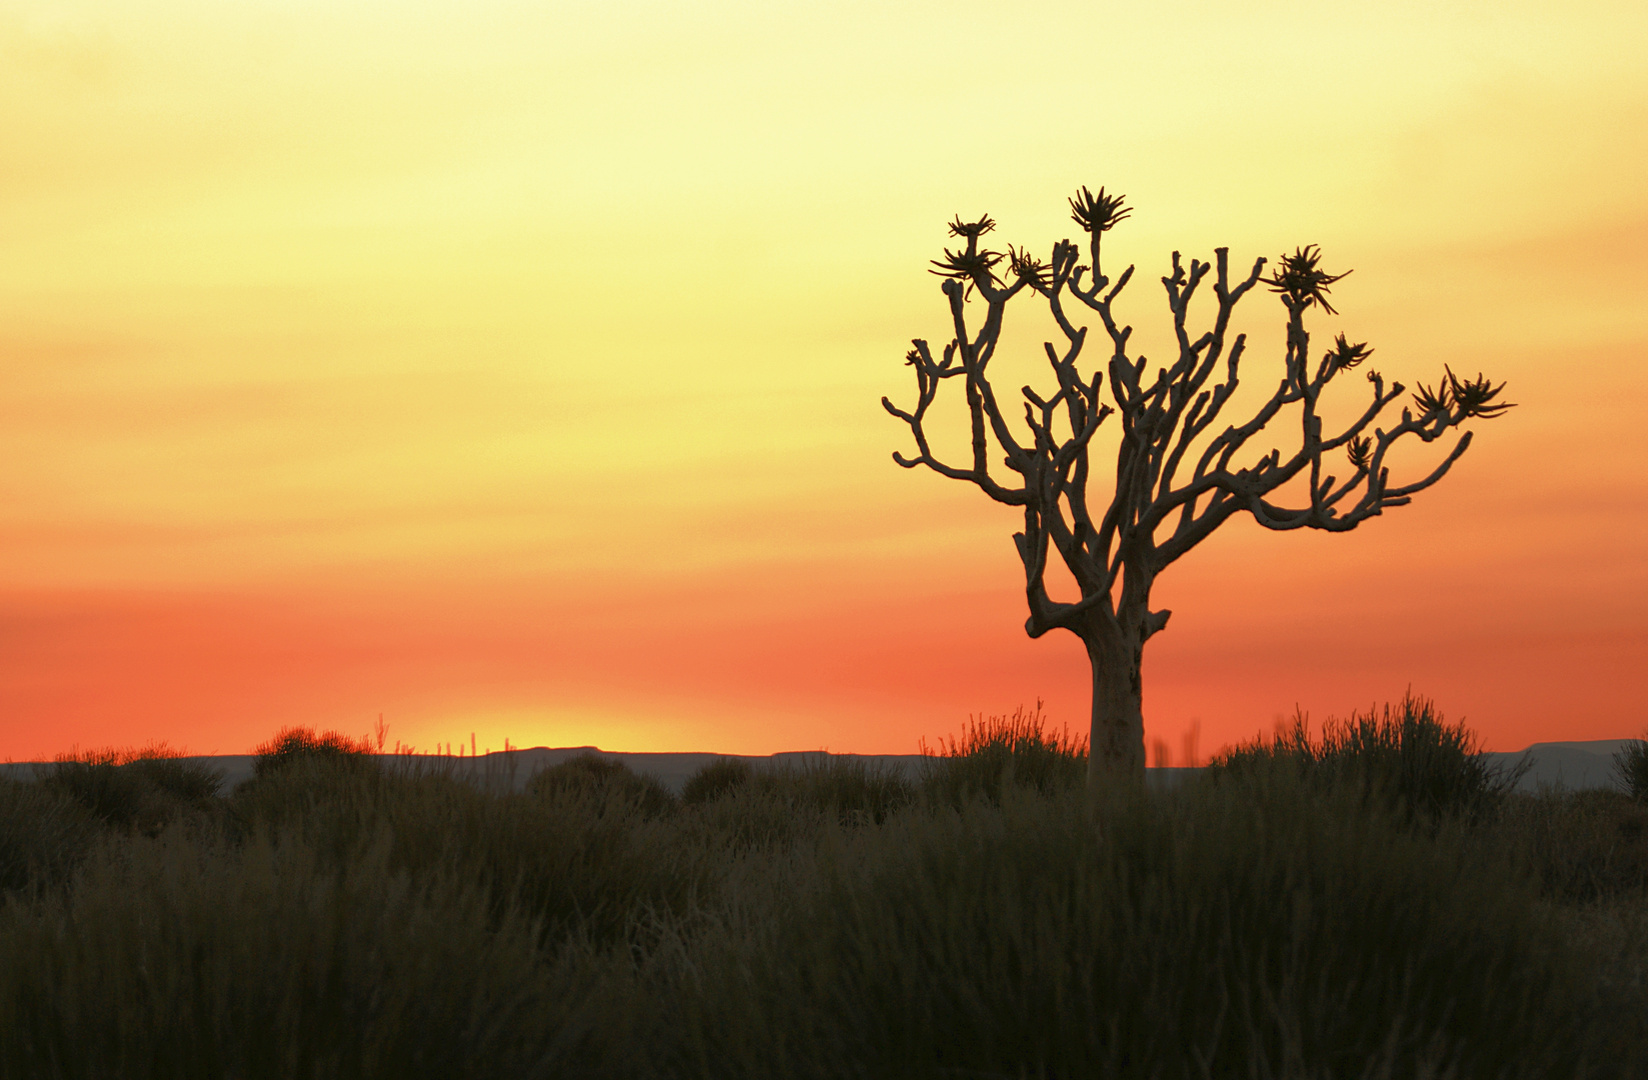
(1574, 765)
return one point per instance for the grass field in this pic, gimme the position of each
(1369, 904)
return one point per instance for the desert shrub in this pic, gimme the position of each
(1251, 928)
(590, 774)
(590, 867)
(414, 920)
(301, 744)
(761, 816)
(141, 789)
(184, 959)
(1001, 752)
(328, 797)
(114, 795)
(716, 779)
(1612, 936)
(193, 784)
(1583, 846)
(320, 780)
(583, 860)
(1631, 767)
(1405, 756)
(848, 790)
(44, 833)
(774, 808)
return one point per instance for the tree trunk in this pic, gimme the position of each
(1116, 745)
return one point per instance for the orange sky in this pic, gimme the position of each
(516, 368)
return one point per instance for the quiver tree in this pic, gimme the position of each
(1172, 488)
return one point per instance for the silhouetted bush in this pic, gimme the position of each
(1001, 752)
(329, 799)
(142, 789)
(591, 776)
(1235, 930)
(849, 790)
(302, 744)
(1583, 846)
(44, 833)
(263, 962)
(1403, 756)
(1631, 767)
(582, 858)
(822, 920)
(716, 779)
(764, 815)
(194, 782)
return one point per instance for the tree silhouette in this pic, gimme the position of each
(1156, 513)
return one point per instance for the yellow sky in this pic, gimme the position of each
(382, 293)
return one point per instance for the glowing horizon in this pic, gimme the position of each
(518, 371)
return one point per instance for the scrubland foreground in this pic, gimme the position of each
(1372, 904)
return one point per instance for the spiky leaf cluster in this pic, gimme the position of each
(1358, 452)
(1462, 399)
(1474, 398)
(967, 265)
(972, 230)
(1301, 280)
(1346, 355)
(1035, 272)
(1097, 213)
(1431, 401)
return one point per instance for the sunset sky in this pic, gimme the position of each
(515, 368)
